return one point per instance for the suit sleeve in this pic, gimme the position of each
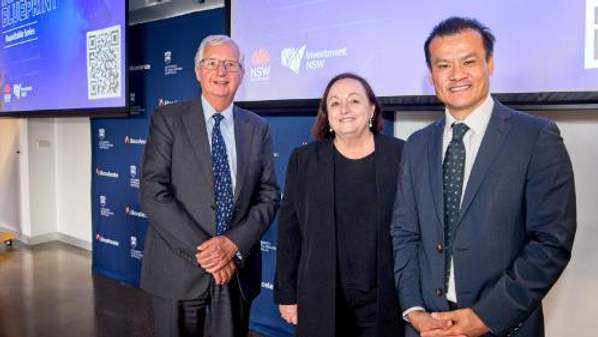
(550, 224)
(265, 205)
(166, 215)
(288, 250)
(405, 233)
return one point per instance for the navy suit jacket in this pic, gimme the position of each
(177, 193)
(515, 229)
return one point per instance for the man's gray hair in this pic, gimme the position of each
(214, 40)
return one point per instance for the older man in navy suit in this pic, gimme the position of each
(485, 214)
(209, 188)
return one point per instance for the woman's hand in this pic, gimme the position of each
(288, 312)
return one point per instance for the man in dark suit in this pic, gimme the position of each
(209, 188)
(485, 214)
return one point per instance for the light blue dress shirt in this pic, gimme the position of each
(227, 128)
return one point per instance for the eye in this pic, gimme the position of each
(333, 104)
(470, 62)
(231, 65)
(355, 101)
(442, 66)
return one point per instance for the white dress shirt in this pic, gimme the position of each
(477, 121)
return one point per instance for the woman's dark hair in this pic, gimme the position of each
(321, 128)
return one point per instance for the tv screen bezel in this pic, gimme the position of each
(530, 101)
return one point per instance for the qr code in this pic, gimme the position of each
(104, 63)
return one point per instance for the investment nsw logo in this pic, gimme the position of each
(260, 65)
(292, 57)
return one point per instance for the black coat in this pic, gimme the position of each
(306, 251)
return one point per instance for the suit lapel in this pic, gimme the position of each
(243, 142)
(435, 168)
(326, 184)
(494, 137)
(195, 125)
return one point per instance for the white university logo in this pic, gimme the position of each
(292, 57)
(133, 242)
(101, 134)
(133, 170)
(102, 200)
(167, 57)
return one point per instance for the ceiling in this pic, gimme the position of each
(151, 10)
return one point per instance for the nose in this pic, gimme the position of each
(457, 73)
(221, 69)
(344, 107)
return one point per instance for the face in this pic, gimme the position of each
(349, 109)
(460, 71)
(219, 85)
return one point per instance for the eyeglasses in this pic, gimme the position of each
(213, 64)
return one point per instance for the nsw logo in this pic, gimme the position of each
(292, 57)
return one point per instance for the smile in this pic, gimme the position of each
(459, 88)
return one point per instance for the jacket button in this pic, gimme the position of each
(439, 291)
(439, 248)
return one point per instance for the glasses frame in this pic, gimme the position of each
(229, 65)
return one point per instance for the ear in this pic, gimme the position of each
(197, 74)
(490, 63)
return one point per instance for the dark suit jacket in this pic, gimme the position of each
(516, 224)
(306, 254)
(177, 194)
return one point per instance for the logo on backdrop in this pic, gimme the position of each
(140, 67)
(134, 141)
(170, 68)
(162, 102)
(105, 211)
(267, 246)
(132, 212)
(103, 239)
(267, 285)
(292, 57)
(260, 66)
(7, 95)
(134, 181)
(314, 60)
(103, 143)
(135, 253)
(107, 174)
(20, 90)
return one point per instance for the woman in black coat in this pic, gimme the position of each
(334, 273)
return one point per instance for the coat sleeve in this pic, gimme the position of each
(265, 203)
(550, 224)
(405, 233)
(166, 215)
(288, 250)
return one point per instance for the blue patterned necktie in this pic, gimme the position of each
(223, 186)
(453, 169)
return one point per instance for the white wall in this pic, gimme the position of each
(9, 175)
(571, 306)
(53, 180)
(73, 177)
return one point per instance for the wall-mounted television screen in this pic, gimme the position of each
(546, 52)
(63, 58)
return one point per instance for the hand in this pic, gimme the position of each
(465, 323)
(215, 253)
(423, 322)
(225, 274)
(288, 312)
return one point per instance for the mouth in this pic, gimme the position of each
(346, 119)
(459, 88)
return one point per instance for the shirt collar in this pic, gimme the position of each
(477, 120)
(209, 111)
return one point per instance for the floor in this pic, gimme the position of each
(48, 290)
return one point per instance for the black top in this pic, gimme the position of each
(354, 205)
